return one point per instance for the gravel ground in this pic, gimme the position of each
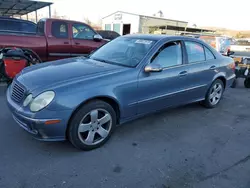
(188, 146)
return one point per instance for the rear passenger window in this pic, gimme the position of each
(195, 52)
(60, 29)
(209, 54)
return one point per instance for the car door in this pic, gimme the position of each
(58, 41)
(157, 90)
(83, 40)
(202, 69)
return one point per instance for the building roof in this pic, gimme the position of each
(20, 7)
(144, 16)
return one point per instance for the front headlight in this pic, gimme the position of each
(41, 101)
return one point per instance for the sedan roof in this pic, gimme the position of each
(157, 37)
(147, 36)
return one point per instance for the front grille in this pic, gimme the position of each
(17, 92)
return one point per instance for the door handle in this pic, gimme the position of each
(183, 73)
(77, 43)
(66, 43)
(212, 67)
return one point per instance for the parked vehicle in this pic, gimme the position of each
(13, 60)
(108, 35)
(221, 43)
(83, 99)
(14, 25)
(55, 39)
(242, 70)
(241, 47)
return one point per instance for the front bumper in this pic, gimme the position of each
(35, 123)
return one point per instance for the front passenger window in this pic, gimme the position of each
(81, 31)
(169, 55)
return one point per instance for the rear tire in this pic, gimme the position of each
(214, 94)
(92, 125)
(234, 84)
(247, 83)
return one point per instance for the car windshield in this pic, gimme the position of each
(124, 51)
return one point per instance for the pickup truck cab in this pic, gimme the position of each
(55, 39)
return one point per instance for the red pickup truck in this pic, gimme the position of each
(55, 39)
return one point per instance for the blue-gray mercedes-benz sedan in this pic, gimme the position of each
(82, 99)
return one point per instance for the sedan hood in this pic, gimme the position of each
(63, 71)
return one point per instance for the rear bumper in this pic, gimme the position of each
(230, 80)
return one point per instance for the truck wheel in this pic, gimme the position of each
(214, 94)
(247, 83)
(92, 125)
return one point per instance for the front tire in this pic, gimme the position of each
(214, 94)
(92, 125)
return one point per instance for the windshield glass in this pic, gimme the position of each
(124, 51)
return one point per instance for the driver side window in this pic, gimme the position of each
(169, 55)
(81, 31)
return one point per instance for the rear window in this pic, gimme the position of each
(40, 27)
(17, 26)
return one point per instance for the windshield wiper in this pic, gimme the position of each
(101, 60)
(110, 62)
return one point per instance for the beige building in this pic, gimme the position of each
(129, 23)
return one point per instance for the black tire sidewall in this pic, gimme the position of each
(77, 117)
(247, 83)
(207, 101)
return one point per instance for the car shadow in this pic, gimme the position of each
(122, 131)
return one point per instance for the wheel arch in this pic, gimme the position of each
(221, 77)
(108, 99)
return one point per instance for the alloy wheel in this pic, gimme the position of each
(95, 126)
(216, 93)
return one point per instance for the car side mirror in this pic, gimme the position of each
(153, 68)
(97, 38)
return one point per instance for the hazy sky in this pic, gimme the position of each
(221, 13)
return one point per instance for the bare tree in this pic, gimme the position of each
(159, 14)
(87, 21)
(56, 15)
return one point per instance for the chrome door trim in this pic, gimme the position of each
(168, 94)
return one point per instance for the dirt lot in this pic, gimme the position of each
(184, 147)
